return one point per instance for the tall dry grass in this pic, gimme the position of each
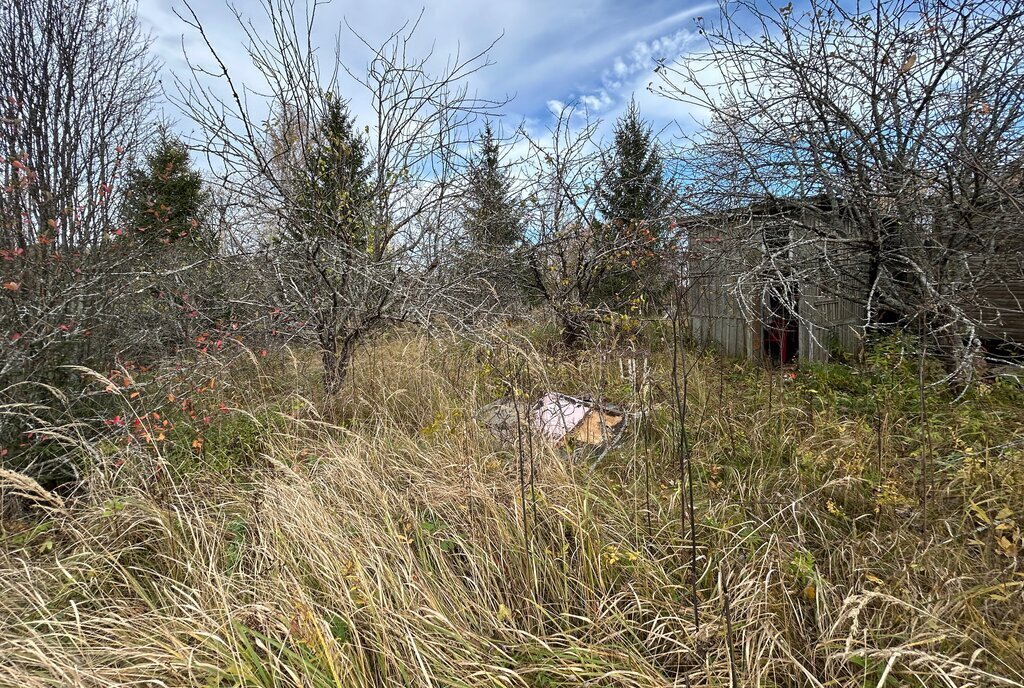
(381, 539)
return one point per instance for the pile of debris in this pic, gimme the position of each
(558, 418)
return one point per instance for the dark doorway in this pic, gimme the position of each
(781, 333)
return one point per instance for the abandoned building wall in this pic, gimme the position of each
(999, 285)
(717, 319)
(717, 254)
(734, 257)
(1003, 313)
(832, 311)
(829, 323)
(724, 291)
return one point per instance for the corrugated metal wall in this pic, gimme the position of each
(832, 319)
(723, 252)
(1004, 314)
(828, 323)
(716, 317)
(830, 313)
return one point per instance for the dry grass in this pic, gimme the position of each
(380, 539)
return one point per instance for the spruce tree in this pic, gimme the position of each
(493, 219)
(633, 198)
(334, 193)
(633, 189)
(165, 201)
(493, 222)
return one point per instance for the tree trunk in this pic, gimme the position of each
(336, 356)
(573, 329)
(958, 359)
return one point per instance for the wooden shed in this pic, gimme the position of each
(764, 281)
(754, 289)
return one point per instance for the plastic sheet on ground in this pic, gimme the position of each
(559, 418)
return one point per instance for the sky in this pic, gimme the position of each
(598, 53)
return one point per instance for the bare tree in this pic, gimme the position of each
(340, 268)
(869, 153)
(575, 255)
(78, 85)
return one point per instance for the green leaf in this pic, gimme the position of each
(340, 629)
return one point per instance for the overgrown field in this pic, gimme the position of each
(233, 527)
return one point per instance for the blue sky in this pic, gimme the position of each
(598, 52)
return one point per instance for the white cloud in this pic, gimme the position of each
(594, 52)
(597, 102)
(630, 75)
(556, 107)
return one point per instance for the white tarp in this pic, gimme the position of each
(557, 418)
(556, 415)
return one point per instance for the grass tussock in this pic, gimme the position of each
(265, 536)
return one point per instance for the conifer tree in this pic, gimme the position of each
(633, 198)
(633, 188)
(335, 191)
(493, 219)
(165, 201)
